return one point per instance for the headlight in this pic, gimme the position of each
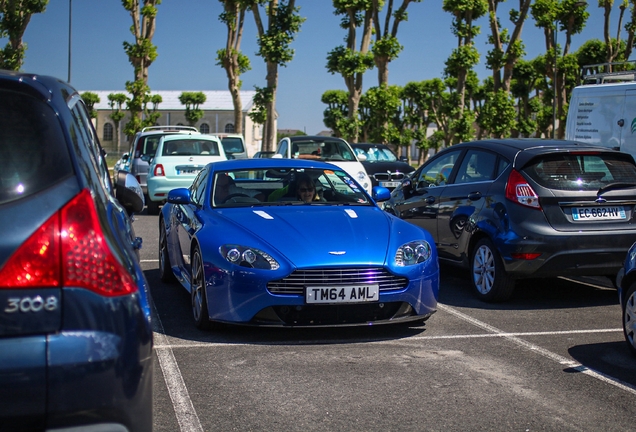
(248, 257)
(363, 179)
(411, 253)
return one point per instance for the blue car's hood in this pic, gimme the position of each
(314, 236)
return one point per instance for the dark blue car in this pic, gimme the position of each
(76, 346)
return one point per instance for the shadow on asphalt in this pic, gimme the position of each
(530, 294)
(612, 359)
(173, 304)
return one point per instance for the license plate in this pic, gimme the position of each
(598, 213)
(188, 171)
(389, 184)
(344, 294)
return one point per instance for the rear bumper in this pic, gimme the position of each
(567, 254)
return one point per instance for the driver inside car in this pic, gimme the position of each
(225, 188)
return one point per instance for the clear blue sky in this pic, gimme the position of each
(189, 33)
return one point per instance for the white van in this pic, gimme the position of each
(604, 113)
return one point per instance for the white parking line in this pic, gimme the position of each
(183, 408)
(535, 348)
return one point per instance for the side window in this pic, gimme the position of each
(438, 172)
(86, 132)
(282, 148)
(198, 187)
(477, 166)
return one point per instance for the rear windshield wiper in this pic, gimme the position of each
(615, 186)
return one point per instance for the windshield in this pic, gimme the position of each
(376, 154)
(328, 150)
(284, 186)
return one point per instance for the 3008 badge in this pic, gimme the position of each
(31, 304)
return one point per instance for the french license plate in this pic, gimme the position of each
(598, 213)
(389, 184)
(343, 294)
(188, 171)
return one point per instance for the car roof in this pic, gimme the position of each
(267, 163)
(522, 150)
(369, 145)
(314, 138)
(194, 136)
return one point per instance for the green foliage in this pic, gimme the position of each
(274, 45)
(90, 99)
(263, 97)
(379, 113)
(463, 126)
(116, 102)
(388, 47)
(498, 115)
(347, 63)
(337, 109)
(192, 101)
(14, 18)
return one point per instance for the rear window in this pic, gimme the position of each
(584, 172)
(33, 152)
(233, 145)
(190, 147)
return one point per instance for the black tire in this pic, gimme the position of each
(198, 294)
(490, 281)
(629, 318)
(165, 268)
(152, 207)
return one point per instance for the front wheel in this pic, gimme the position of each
(629, 318)
(198, 294)
(489, 278)
(165, 268)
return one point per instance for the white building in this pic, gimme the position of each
(218, 117)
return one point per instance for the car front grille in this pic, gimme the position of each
(295, 283)
(389, 176)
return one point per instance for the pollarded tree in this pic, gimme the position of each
(116, 103)
(283, 22)
(463, 59)
(386, 46)
(335, 115)
(141, 54)
(231, 58)
(352, 61)
(14, 19)
(192, 101)
(507, 47)
(90, 99)
(380, 115)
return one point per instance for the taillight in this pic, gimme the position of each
(69, 250)
(159, 171)
(519, 191)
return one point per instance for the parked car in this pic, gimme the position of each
(291, 263)
(518, 208)
(178, 160)
(76, 344)
(143, 149)
(626, 282)
(382, 165)
(327, 149)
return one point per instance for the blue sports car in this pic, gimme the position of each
(294, 243)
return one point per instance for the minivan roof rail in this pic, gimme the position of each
(603, 73)
(169, 127)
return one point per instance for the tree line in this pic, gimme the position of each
(521, 97)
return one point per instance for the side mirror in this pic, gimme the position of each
(381, 193)
(277, 156)
(179, 196)
(128, 192)
(362, 157)
(125, 157)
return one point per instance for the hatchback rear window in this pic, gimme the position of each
(190, 147)
(233, 145)
(584, 172)
(33, 152)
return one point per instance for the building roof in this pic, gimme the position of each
(216, 100)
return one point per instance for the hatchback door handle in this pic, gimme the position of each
(474, 196)
(430, 200)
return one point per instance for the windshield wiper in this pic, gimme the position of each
(615, 186)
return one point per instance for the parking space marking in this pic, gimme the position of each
(542, 351)
(184, 409)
